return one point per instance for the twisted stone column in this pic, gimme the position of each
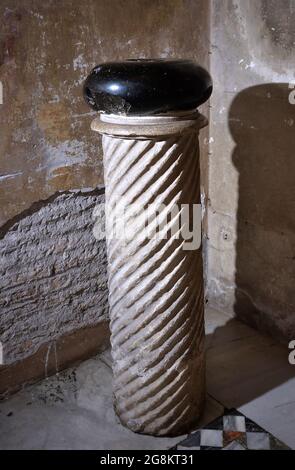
(155, 286)
(155, 279)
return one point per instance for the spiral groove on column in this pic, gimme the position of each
(155, 287)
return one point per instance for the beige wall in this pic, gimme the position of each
(52, 270)
(251, 246)
(47, 48)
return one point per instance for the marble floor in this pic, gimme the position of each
(246, 371)
(250, 372)
(231, 431)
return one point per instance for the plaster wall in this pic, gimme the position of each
(53, 272)
(46, 51)
(251, 207)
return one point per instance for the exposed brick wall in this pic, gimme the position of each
(52, 273)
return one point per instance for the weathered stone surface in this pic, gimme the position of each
(54, 356)
(155, 285)
(52, 273)
(251, 165)
(46, 51)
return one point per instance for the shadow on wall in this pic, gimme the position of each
(262, 123)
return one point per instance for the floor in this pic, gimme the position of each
(231, 431)
(250, 385)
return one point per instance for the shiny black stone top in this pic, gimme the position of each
(147, 87)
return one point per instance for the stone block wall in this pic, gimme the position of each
(52, 276)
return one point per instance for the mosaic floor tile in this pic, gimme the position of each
(235, 445)
(232, 431)
(258, 441)
(234, 423)
(179, 447)
(211, 438)
(229, 436)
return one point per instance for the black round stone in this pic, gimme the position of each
(147, 87)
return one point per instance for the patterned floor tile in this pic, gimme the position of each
(258, 441)
(179, 447)
(211, 438)
(234, 423)
(235, 445)
(232, 431)
(229, 436)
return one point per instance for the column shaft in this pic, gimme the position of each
(155, 285)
